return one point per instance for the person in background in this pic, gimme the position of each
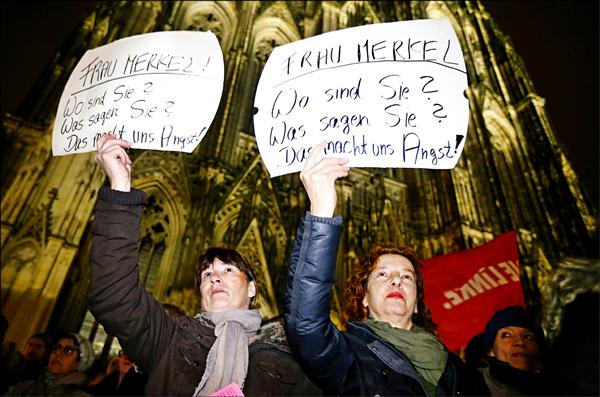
(125, 381)
(389, 346)
(27, 364)
(571, 318)
(97, 372)
(223, 348)
(476, 353)
(574, 362)
(514, 367)
(71, 356)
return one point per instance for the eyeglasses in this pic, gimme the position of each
(67, 350)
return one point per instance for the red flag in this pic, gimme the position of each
(464, 289)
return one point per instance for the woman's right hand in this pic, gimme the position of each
(318, 177)
(115, 162)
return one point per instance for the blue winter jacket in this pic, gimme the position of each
(354, 362)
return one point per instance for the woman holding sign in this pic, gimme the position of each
(388, 347)
(224, 350)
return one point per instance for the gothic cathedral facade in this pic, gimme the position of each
(513, 174)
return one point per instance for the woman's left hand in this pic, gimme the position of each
(318, 177)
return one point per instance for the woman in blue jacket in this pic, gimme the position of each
(388, 347)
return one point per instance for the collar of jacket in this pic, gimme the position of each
(270, 333)
(385, 352)
(505, 373)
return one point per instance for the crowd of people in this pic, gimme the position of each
(66, 365)
(387, 345)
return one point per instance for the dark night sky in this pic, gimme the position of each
(558, 41)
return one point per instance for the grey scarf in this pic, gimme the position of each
(227, 359)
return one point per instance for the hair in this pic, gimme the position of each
(511, 316)
(356, 286)
(229, 256)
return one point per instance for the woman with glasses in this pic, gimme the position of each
(70, 357)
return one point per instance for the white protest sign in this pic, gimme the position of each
(382, 95)
(158, 90)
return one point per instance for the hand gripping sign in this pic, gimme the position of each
(158, 90)
(383, 95)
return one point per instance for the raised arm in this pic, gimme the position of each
(318, 177)
(314, 339)
(116, 297)
(114, 161)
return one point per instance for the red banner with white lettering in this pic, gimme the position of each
(464, 289)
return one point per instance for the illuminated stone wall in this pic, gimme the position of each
(512, 174)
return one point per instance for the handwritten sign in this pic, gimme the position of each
(158, 90)
(383, 95)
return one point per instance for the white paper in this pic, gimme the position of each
(383, 95)
(158, 90)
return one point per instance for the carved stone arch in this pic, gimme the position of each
(29, 175)
(170, 170)
(19, 262)
(502, 134)
(219, 17)
(251, 246)
(357, 13)
(173, 222)
(233, 204)
(226, 216)
(274, 27)
(18, 188)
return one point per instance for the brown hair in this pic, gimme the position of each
(356, 289)
(229, 256)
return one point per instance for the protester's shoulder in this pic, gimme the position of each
(456, 360)
(272, 332)
(189, 324)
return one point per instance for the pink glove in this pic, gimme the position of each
(231, 390)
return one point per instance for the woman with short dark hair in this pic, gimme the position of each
(224, 349)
